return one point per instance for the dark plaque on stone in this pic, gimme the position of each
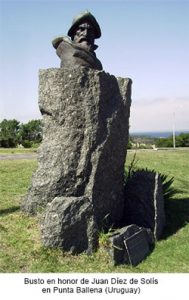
(137, 247)
(130, 244)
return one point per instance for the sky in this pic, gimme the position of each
(145, 40)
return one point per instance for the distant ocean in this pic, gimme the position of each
(157, 134)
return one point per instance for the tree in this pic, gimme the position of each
(30, 133)
(182, 140)
(9, 133)
(164, 142)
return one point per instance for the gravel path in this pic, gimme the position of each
(18, 156)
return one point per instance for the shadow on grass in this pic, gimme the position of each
(9, 210)
(177, 215)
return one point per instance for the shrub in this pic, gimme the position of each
(182, 140)
(27, 144)
(167, 183)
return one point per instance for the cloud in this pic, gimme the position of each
(159, 114)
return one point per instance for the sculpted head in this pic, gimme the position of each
(80, 50)
(85, 30)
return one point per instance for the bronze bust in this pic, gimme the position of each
(80, 49)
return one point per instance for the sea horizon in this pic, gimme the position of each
(157, 134)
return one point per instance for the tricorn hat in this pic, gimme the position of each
(85, 16)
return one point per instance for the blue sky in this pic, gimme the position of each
(147, 41)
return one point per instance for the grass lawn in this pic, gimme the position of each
(20, 246)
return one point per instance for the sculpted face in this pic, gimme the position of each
(85, 35)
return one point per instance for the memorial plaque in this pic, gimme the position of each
(137, 247)
(130, 244)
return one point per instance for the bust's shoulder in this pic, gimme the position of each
(56, 41)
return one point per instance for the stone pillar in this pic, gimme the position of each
(144, 205)
(85, 134)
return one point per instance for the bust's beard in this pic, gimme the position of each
(85, 45)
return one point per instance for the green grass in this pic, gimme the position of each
(20, 245)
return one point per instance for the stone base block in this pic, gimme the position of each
(144, 202)
(68, 223)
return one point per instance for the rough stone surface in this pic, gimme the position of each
(130, 244)
(68, 223)
(85, 116)
(144, 203)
